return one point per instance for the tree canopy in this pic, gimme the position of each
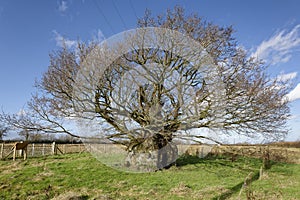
(195, 75)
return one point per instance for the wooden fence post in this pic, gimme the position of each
(2, 149)
(53, 148)
(32, 151)
(14, 154)
(25, 153)
(43, 150)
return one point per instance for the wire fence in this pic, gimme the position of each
(40, 149)
(284, 154)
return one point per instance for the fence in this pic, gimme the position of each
(276, 153)
(283, 154)
(37, 149)
(44, 149)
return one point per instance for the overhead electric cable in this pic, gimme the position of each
(122, 20)
(104, 17)
(130, 2)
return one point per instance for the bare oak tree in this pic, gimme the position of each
(148, 97)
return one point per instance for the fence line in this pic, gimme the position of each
(37, 149)
(44, 149)
(283, 154)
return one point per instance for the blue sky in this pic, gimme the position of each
(30, 30)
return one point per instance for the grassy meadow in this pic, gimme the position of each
(81, 176)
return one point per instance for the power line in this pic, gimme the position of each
(123, 22)
(130, 2)
(104, 17)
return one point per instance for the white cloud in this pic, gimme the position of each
(98, 36)
(62, 41)
(279, 48)
(287, 77)
(294, 94)
(294, 117)
(62, 6)
(21, 112)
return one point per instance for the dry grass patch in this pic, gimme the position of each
(181, 190)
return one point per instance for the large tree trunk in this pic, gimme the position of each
(166, 156)
(155, 153)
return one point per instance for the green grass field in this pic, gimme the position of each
(81, 176)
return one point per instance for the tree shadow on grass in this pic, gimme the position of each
(216, 161)
(208, 160)
(203, 163)
(236, 188)
(83, 197)
(188, 160)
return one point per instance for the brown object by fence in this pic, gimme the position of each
(20, 146)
